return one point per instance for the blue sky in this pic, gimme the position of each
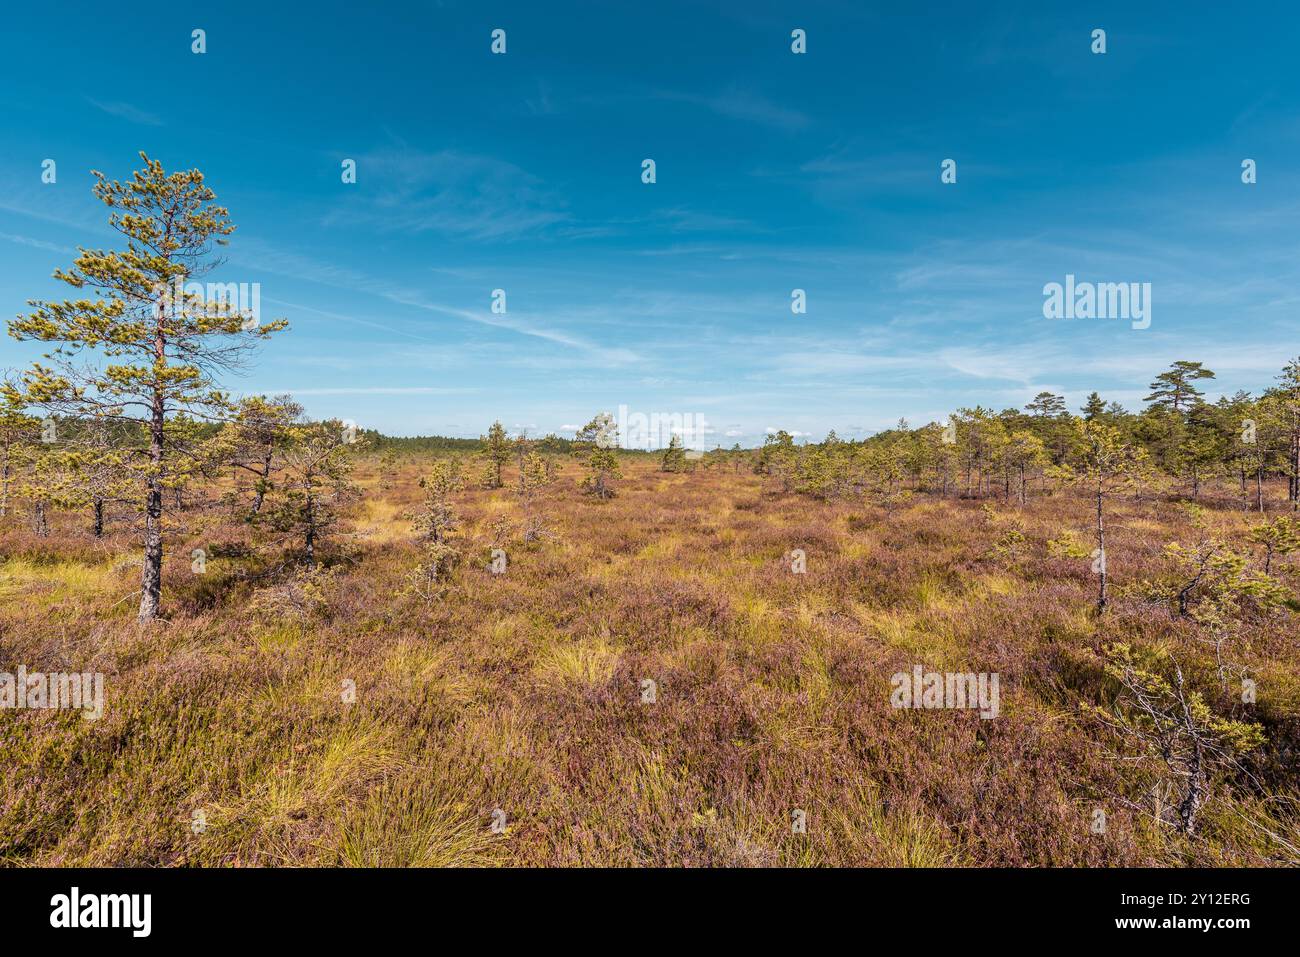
(775, 171)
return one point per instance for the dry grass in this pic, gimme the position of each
(522, 691)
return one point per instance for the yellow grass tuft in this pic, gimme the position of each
(588, 663)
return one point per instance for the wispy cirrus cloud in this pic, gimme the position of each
(303, 267)
(126, 111)
(371, 390)
(36, 243)
(449, 192)
(606, 354)
(738, 104)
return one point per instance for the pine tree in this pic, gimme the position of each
(777, 458)
(497, 450)
(1046, 405)
(316, 482)
(1093, 407)
(1267, 439)
(674, 456)
(1280, 537)
(534, 475)
(161, 350)
(1022, 453)
(19, 433)
(595, 445)
(42, 481)
(435, 522)
(262, 431)
(1176, 389)
(1106, 464)
(1285, 401)
(96, 474)
(1171, 729)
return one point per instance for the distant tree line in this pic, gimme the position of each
(979, 452)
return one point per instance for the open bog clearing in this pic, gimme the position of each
(703, 669)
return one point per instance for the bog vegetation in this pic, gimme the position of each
(326, 646)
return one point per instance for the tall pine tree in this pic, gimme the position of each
(131, 349)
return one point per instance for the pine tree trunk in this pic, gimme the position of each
(1295, 469)
(1101, 555)
(1190, 806)
(259, 488)
(39, 522)
(99, 518)
(151, 571)
(311, 527)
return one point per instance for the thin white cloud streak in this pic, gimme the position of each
(461, 195)
(613, 356)
(126, 111)
(37, 244)
(369, 390)
(299, 267)
(738, 104)
(340, 317)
